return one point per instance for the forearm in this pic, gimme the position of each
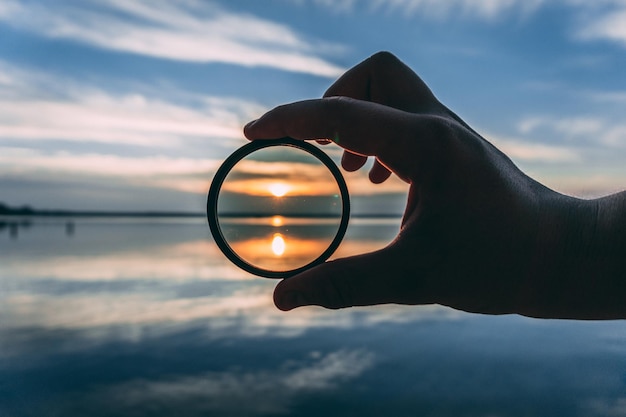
(580, 261)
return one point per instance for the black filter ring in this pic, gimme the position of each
(224, 170)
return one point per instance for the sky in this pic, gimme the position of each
(132, 105)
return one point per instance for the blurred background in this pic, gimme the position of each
(115, 105)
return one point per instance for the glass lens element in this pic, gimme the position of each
(279, 208)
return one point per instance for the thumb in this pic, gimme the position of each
(373, 278)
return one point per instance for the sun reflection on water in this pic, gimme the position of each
(277, 221)
(278, 244)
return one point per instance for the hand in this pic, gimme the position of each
(476, 234)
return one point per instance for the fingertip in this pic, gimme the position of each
(378, 177)
(248, 129)
(352, 162)
(379, 173)
(285, 299)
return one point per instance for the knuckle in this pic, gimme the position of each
(383, 59)
(337, 102)
(333, 110)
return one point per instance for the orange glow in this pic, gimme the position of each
(278, 189)
(302, 179)
(278, 244)
(277, 221)
(278, 252)
(264, 186)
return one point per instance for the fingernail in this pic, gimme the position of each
(249, 125)
(291, 299)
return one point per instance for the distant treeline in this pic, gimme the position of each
(306, 215)
(5, 210)
(22, 211)
(26, 210)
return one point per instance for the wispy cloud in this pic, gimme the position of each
(578, 129)
(185, 30)
(74, 116)
(30, 110)
(183, 174)
(613, 97)
(568, 126)
(591, 20)
(605, 20)
(526, 151)
(481, 9)
(77, 115)
(96, 116)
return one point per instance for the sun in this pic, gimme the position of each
(278, 189)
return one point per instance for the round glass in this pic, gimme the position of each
(278, 207)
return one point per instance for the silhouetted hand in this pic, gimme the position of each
(477, 233)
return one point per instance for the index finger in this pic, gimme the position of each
(362, 127)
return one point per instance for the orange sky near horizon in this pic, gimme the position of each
(291, 179)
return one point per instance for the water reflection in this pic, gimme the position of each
(278, 221)
(14, 225)
(131, 317)
(279, 243)
(121, 273)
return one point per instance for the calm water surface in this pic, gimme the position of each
(115, 317)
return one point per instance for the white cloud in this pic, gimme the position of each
(585, 163)
(592, 20)
(481, 9)
(580, 129)
(16, 161)
(615, 97)
(185, 30)
(518, 149)
(30, 110)
(123, 120)
(568, 126)
(50, 123)
(609, 25)
(584, 184)
(95, 116)
(599, 20)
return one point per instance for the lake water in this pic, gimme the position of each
(115, 317)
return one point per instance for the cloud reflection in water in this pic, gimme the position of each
(244, 393)
(124, 318)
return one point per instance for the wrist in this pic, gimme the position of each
(564, 258)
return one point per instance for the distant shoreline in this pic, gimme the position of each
(67, 213)
(112, 214)
(26, 211)
(30, 212)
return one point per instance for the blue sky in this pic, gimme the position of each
(132, 105)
